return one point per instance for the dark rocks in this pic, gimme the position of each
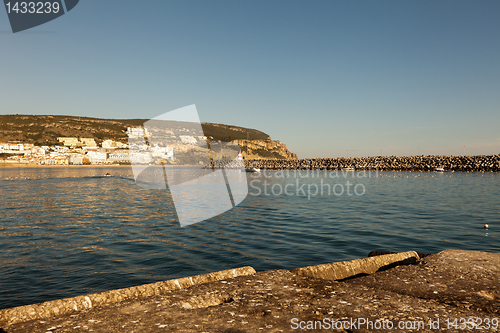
(480, 163)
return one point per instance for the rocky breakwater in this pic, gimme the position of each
(478, 163)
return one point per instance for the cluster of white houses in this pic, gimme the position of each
(79, 151)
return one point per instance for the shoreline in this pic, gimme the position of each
(470, 163)
(21, 165)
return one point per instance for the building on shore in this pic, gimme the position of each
(77, 142)
(113, 144)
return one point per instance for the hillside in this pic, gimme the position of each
(45, 129)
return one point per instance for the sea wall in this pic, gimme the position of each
(331, 271)
(364, 266)
(481, 163)
(69, 305)
(403, 294)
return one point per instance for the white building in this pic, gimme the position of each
(163, 152)
(70, 142)
(37, 151)
(88, 142)
(188, 140)
(137, 131)
(75, 159)
(140, 158)
(96, 157)
(119, 157)
(113, 144)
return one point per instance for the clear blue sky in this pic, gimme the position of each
(324, 77)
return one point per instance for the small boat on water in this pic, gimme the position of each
(348, 169)
(252, 169)
(107, 174)
(439, 169)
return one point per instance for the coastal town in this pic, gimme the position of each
(152, 144)
(50, 140)
(86, 151)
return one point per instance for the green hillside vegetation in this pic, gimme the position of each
(267, 153)
(228, 133)
(44, 130)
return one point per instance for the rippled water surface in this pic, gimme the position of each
(70, 231)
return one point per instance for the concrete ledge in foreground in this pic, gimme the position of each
(363, 266)
(63, 306)
(425, 297)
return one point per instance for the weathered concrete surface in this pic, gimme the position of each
(363, 266)
(465, 279)
(448, 285)
(69, 305)
(379, 253)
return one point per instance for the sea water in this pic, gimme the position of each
(68, 231)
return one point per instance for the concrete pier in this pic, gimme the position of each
(69, 305)
(413, 295)
(364, 266)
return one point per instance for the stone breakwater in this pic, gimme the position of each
(78, 303)
(478, 163)
(333, 271)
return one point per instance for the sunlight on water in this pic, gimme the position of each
(69, 231)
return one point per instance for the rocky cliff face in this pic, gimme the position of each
(264, 149)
